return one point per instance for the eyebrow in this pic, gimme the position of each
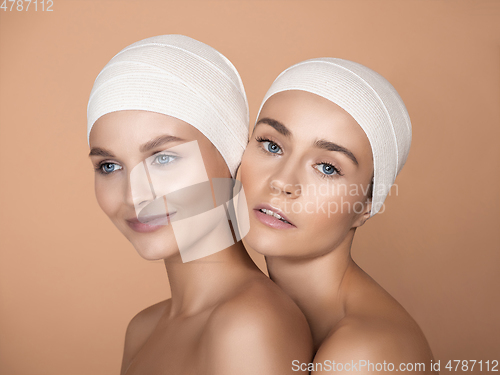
(278, 126)
(330, 146)
(156, 142)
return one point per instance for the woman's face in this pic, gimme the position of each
(152, 168)
(311, 163)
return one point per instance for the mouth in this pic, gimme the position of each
(150, 223)
(272, 217)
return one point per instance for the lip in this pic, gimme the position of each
(272, 221)
(153, 223)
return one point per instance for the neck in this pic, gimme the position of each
(316, 285)
(200, 284)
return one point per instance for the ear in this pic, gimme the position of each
(363, 216)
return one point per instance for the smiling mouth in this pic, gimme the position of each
(271, 213)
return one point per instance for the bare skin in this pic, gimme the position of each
(294, 167)
(225, 316)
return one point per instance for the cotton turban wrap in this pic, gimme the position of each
(370, 99)
(180, 77)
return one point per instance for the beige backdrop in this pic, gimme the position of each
(70, 282)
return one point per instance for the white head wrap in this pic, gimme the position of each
(180, 77)
(370, 99)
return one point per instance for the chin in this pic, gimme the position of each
(267, 245)
(159, 252)
(154, 246)
(275, 243)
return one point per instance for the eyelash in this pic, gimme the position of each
(338, 171)
(262, 140)
(98, 168)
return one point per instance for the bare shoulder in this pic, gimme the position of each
(375, 329)
(377, 339)
(265, 306)
(260, 322)
(139, 329)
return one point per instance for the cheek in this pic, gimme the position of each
(107, 197)
(250, 173)
(331, 214)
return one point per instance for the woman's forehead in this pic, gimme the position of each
(138, 127)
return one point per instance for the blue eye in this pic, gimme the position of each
(272, 147)
(164, 159)
(327, 169)
(107, 168)
(269, 145)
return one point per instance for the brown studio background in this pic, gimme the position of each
(70, 282)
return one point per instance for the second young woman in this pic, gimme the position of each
(330, 138)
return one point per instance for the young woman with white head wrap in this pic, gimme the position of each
(330, 138)
(150, 104)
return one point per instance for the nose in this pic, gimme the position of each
(285, 181)
(139, 190)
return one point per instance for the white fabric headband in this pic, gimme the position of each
(181, 77)
(370, 99)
